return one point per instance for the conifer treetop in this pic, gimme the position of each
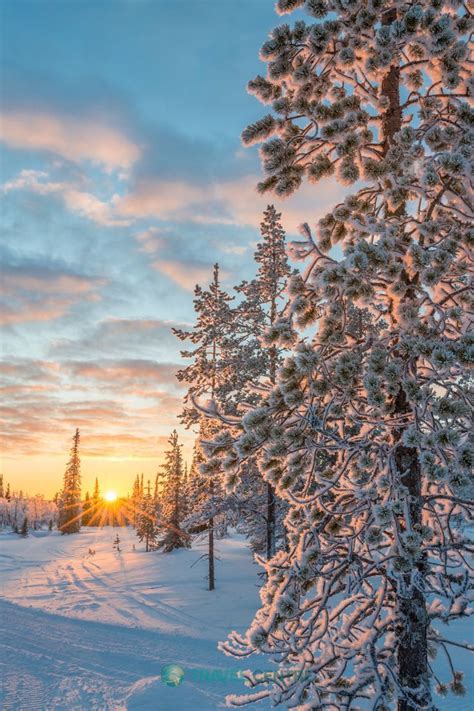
(330, 112)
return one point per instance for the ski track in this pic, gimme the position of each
(91, 633)
(81, 633)
(59, 663)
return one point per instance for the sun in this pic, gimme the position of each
(110, 496)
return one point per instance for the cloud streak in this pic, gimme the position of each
(76, 139)
(36, 292)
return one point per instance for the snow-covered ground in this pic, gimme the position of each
(82, 632)
(59, 654)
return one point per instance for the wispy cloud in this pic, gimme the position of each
(78, 201)
(185, 274)
(227, 202)
(75, 139)
(124, 374)
(123, 407)
(35, 291)
(150, 240)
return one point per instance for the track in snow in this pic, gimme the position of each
(52, 663)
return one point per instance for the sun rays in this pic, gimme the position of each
(115, 511)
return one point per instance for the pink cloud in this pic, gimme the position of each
(28, 310)
(159, 198)
(37, 294)
(150, 240)
(227, 202)
(52, 284)
(124, 372)
(232, 202)
(185, 274)
(84, 203)
(72, 138)
(91, 207)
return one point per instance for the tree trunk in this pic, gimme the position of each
(413, 618)
(212, 581)
(270, 521)
(412, 629)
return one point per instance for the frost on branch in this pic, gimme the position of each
(366, 433)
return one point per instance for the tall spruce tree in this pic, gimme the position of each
(366, 431)
(86, 510)
(261, 311)
(210, 373)
(136, 500)
(96, 497)
(146, 520)
(70, 501)
(171, 500)
(96, 515)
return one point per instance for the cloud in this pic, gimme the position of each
(185, 274)
(89, 206)
(123, 407)
(150, 240)
(76, 139)
(114, 336)
(161, 198)
(37, 292)
(83, 203)
(232, 202)
(124, 373)
(228, 202)
(33, 309)
(48, 280)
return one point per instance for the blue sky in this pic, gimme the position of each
(122, 181)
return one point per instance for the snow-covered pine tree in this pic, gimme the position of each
(186, 502)
(96, 497)
(24, 527)
(95, 513)
(367, 436)
(2, 490)
(211, 373)
(197, 494)
(171, 500)
(70, 508)
(86, 510)
(260, 311)
(135, 500)
(146, 521)
(212, 335)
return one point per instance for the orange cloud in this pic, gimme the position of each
(122, 372)
(72, 138)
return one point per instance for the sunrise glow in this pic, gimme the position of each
(110, 496)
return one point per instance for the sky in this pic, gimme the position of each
(123, 179)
